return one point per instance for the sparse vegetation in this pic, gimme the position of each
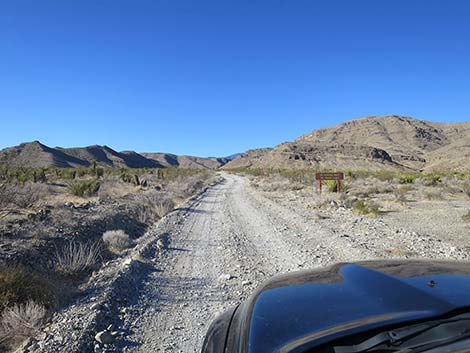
(117, 240)
(39, 204)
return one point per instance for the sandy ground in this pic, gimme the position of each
(234, 237)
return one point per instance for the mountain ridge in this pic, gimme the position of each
(35, 154)
(390, 142)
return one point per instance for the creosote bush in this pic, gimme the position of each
(117, 240)
(76, 259)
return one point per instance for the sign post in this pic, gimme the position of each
(338, 176)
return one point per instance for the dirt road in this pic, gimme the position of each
(225, 244)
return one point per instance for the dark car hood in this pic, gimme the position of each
(297, 311)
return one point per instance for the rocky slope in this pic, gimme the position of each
(376, 143)
(35, 154)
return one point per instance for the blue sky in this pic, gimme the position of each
(219, 77)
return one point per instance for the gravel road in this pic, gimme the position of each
(232, 238)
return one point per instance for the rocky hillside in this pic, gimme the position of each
(374, 143)
(169, 160)
(35, 154)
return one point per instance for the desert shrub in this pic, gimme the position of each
(23, 196)
(466, 216)
(22, 320)
(76, 259)
(363, 208)
(19, 285)
(117, 240)
(67, 173)
(164, 207)
(84, 187)
(350, 174)
(431, 179)
(145, 213)
(407, 179)
(433, 195)
(110, 188)
(274, 183)
(297, 186)
(401, 194)
(99, 172)
(332, 186)
(466, 188)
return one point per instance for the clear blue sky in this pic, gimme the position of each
(219, 77)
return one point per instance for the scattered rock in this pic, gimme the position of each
(104, 337)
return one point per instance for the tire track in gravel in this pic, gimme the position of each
(223, 246)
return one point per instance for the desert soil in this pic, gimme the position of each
(231, 239)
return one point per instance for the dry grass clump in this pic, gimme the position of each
(22, 195)
(117, 240)
(22, 320)
(25, 299)
(76, 259)
(164, 207)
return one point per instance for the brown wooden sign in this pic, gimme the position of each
(329, 176)
(338, 176)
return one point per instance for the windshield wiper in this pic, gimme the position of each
(395, 338)
(436, 343)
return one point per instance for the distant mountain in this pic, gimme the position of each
(35, 154)
(233, 156)
(372, 143)
(172, 160)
